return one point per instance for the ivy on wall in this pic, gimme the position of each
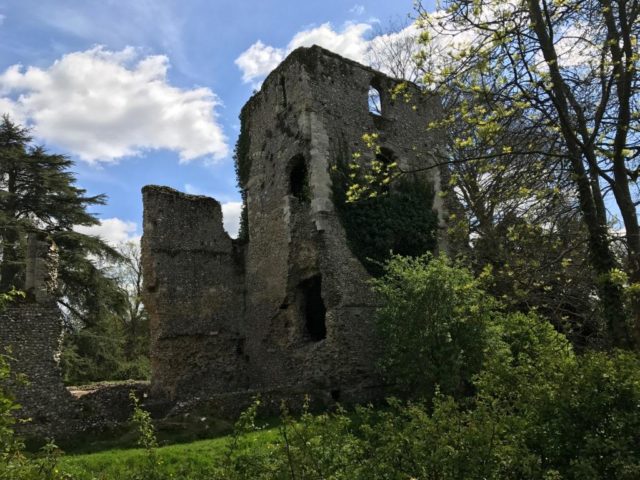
(242, 165)
(400, 220)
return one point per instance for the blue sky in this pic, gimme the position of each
(149, 91)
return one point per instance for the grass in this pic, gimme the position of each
(180, 461)
(125, 436)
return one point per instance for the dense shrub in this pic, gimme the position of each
(540, 412)
(434, 321)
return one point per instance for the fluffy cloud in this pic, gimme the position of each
(357, 9)
(231, 217)
(103, 105)
(113, 231)
(351, 42)
(258, 60)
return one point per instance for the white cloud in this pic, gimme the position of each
(357, 9)
(259, 59)
(103, 105)
(231, 217)
(389, 52)
(112, 230)
(350, 42)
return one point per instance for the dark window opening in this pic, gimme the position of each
(386, 157)
(313, 309)
(240, 346)
(283, 91)
(299, 179)
(375, 103)
(335, 395)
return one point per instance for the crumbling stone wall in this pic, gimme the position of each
(290, 304)
(194, 293)
(31, 333)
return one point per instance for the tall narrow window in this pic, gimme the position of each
(375, 105)
(313, 309)
(283, 92)
(299, 179)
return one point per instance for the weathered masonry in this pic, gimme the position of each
(287, 307)
(31, 333)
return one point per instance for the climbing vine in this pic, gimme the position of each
(398, 219)
(242, 165)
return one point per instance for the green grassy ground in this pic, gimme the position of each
(180, 461)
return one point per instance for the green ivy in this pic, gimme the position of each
(399, 221)
(242, 165)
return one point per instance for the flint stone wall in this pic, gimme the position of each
(193, 293)
(235, 317)
(31, 334)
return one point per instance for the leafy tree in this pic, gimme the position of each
(433, 319)
(518, 215)
(38, 194)
(570, 67)
(134, 321)
(116, 345)
(511, 200)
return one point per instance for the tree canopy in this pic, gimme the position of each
(38, 194)
(564, 74)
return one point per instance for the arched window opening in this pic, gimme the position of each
(299, 179)
(375, 103)
(313, 309)
(386, 157)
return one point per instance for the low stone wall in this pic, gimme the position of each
(30, 334)
(101, 407)
(229, 406)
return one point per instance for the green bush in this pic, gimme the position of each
(434, 323)
(540, 412)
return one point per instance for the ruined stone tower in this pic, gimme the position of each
(288, 307)
(31, 332)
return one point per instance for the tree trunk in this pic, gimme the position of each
(11, 264)
(602, 258)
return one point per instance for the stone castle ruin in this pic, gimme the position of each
(286, 309)
(287, 306)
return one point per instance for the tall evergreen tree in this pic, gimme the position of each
(38, 194)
